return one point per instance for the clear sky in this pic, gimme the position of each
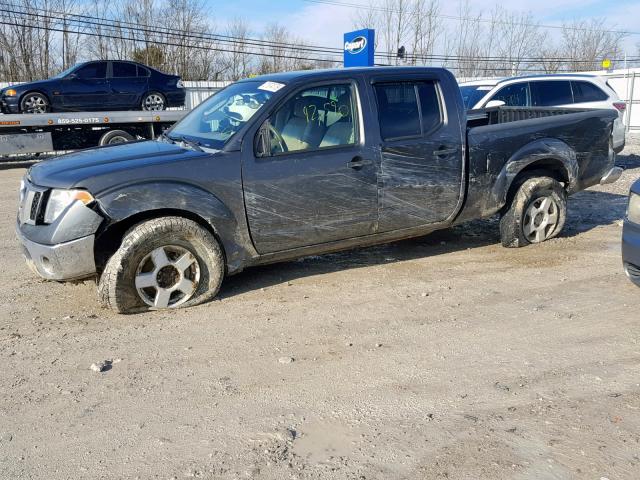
(324, 24)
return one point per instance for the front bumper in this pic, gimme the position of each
(9, 105)
(64, 261)
(611, 176)
(631, 251)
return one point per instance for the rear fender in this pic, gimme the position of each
(547, 153)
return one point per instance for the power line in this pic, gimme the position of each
(83, 21)
(115, 26)
(152, 29)
(459, 18)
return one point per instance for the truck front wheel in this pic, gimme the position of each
(536, 213)
(167, 262)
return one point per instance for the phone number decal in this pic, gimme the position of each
(75, 121)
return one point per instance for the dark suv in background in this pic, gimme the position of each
(96, 86)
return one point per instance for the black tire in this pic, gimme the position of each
(117, 285)
(519, 228)
(114, 137)
(34, 102)
(153, 101)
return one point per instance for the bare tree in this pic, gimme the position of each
(587, 43)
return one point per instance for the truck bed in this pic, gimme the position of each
(575, 142)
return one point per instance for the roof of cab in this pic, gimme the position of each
(320, 74)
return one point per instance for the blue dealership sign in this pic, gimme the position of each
(359, 48)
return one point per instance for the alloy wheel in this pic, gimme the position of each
(540, 219)
(153, 102)
(167, 277)
(35, 104)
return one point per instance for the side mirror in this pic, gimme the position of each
(262, 147)
(494, 103)
(71, 76)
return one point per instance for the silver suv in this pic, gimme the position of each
(567, 91)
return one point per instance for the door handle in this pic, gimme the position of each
(444, 151)
(358, 162)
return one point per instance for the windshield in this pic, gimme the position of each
(66, 72)
(473, 93)
(213, 122)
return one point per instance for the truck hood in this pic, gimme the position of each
(75, 169)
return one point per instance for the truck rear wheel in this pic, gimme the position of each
(168, 262)
(536, 213)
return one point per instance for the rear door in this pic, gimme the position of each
(87, 88)
(126, 86)
(421, 153)
(317, 180)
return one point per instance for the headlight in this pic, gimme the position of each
(23, 188)
(633, 211)
(179, 84)
(59, 200)
(10, 92)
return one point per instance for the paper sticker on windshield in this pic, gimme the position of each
(271, 86)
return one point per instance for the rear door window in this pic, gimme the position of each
(398, 112)
(124, 70)
(407, 109)
(587, 92)
(551, 93)
(430, 109)
(514, 95)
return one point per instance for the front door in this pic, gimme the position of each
(317, 180)
(421, 154)
(87, 88)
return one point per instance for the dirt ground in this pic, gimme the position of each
(446, 356)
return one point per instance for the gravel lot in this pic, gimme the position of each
(446, 356)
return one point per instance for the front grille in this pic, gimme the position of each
(633, 271)
(35, 205)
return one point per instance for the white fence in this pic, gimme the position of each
(626, 83)
(197, 92)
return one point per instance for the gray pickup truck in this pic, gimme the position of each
(286, 165)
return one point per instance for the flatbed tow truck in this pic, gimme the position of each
(50, 132)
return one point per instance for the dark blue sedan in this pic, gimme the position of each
(96, 86)
(631, 236)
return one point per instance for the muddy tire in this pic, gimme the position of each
(537, 213)
(168, 262)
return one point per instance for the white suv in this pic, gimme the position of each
(567, 91)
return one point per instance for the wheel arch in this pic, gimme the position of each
(544, 157)
(129, 204)
(110, 238)
(34, 90)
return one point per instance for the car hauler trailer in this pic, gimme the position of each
(49, 132)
